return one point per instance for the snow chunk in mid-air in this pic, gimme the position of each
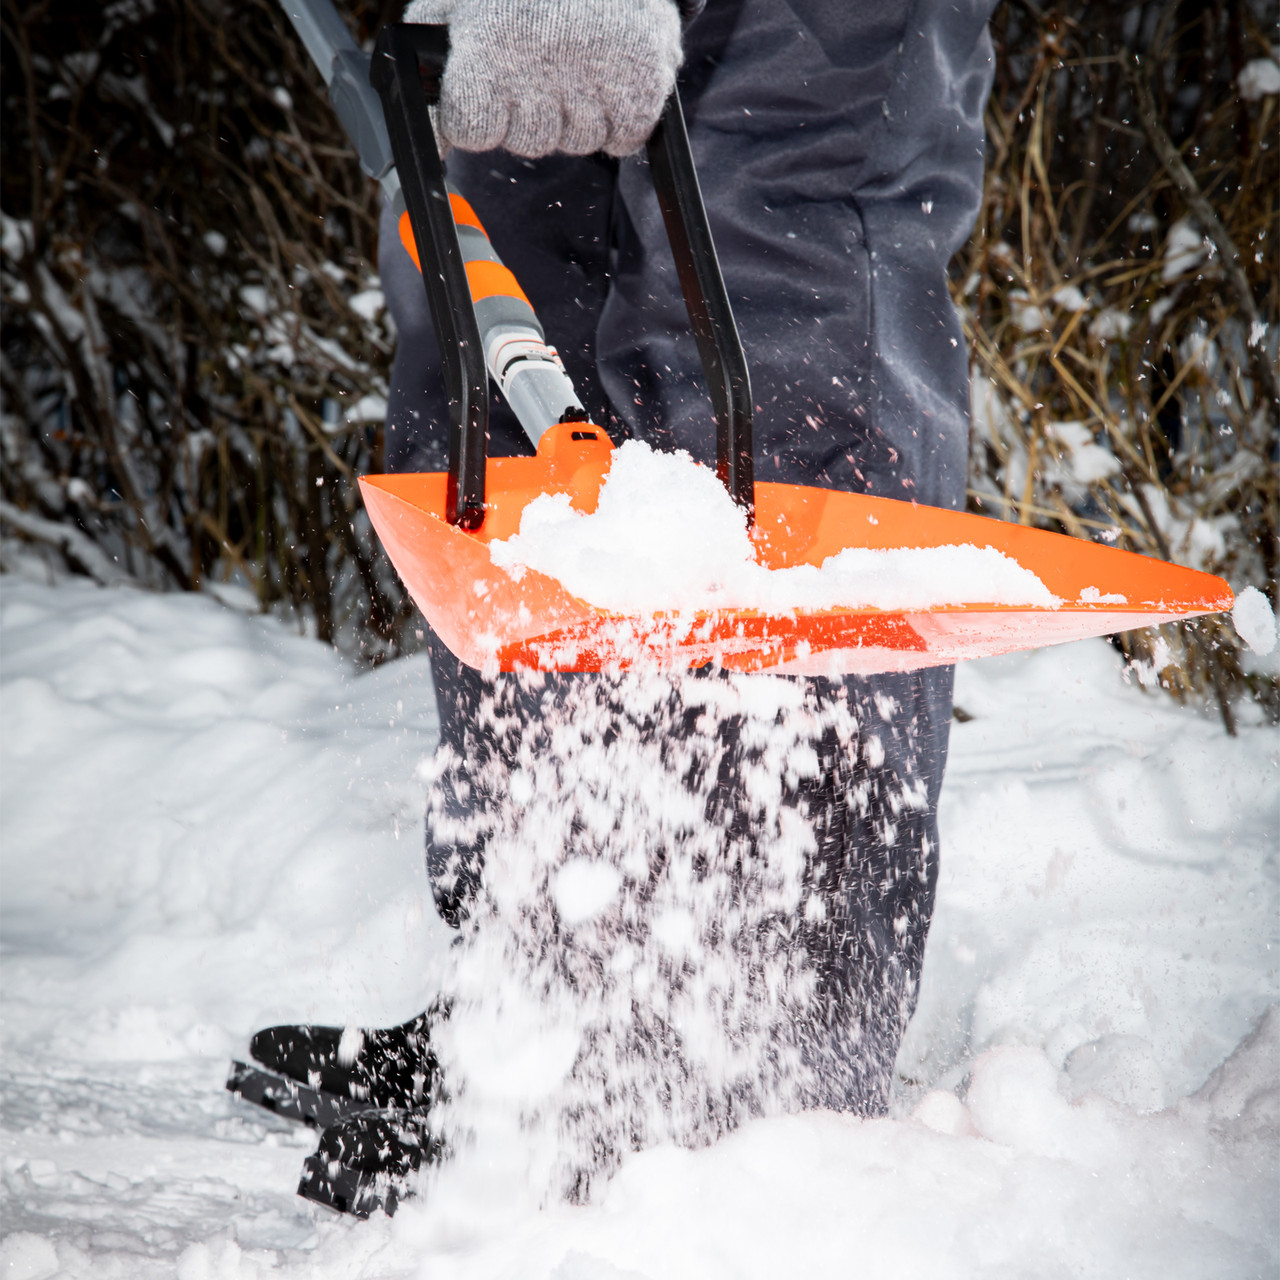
(1259, 79)
(1254, 621)
(583, 888)
(666, 536)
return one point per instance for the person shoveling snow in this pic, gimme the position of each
(683, 900)
(767, 849)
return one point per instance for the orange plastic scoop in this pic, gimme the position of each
(437, 528)
(486, 616)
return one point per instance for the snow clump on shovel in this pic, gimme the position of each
(666, 536)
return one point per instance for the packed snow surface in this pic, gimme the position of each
(1254, 621)
(212, 824)
(666, 536)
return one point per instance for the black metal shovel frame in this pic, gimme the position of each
(408, 62)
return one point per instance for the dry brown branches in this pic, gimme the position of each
(1122, 292)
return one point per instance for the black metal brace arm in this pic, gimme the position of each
(724, 362)
(408, 61)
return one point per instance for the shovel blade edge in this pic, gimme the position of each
(493, 620)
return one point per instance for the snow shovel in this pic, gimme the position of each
(437, 527)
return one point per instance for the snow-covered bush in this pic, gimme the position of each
(195, 350)
(1121, 292)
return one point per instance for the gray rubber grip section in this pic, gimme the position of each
(475, 245)
(503, 309)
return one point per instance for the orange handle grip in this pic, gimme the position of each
(486, 277)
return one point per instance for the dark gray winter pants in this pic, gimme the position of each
(839, 146)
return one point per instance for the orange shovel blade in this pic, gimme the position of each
(488, 618)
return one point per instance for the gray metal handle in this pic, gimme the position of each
(345, 68)
(322, 30)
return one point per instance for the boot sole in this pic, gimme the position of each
(289, 1098)
(347, 1190)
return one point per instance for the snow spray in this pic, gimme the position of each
(634, 965)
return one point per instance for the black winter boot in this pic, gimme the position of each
(309, 1073)
(369, 1162)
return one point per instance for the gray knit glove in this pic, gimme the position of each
(536, 76)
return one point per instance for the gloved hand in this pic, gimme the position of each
(536, 76)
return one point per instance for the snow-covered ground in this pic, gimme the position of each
(211, 824)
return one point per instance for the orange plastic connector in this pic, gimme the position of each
(487, 617)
